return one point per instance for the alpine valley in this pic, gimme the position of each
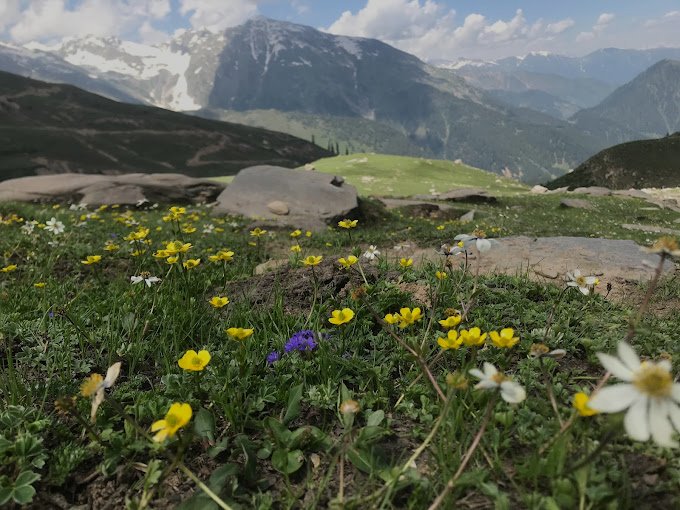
(518, 117)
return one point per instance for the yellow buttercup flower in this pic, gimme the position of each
(111, 246)
(175, 247)
(348, 223)
(296, 248)
(188, 229)
(451, 341)
(296, 233)
(92, 259)
(473, 337)
(308, 233)
(39, 285)
(441, 275)
(219, 302)
(580, 403)
(161, 254)
(407, 317)
(91, 385)
(137, 235)
(441, 227)
(341, 316)
(257, 232)
(177, 417)
(222, 255)
(313, 260)
(239, 333)
(348, 262)
(450, 322)
(172, 260)
(406, 262)
(191, 263)
(505, 339)
(392, 318)
(194, 361)
(9, 269)
(178, 210)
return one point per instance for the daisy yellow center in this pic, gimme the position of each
(653, 380)
(498, 378)
(581, 281)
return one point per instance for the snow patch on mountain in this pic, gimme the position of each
(349, 45)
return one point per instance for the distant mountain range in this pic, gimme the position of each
(513, 116)
(48, 128)
(639, 164)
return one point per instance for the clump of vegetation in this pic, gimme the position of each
(145, 367)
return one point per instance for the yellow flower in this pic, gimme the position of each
(194, 361)
(312, 260)
(137, 253)
(91, 385)
(111, 247)
(580, 403)
(505, 339)
(341, 316)
(222, 255)
(39, 285)
(239, 333)
(452, 340)
(95, 386)
(172, 260)
(450, 322)
(404, 262)
(176, 418)
(219, 302)
(296, 233)
(348, 262)
(161, 254)
(191, 263)
(175, 247)
(137, 235)
(441, 227)
(308, 233)
(8, 269)
(392, 318)
(407, 317)
(92, 259)
(296, 248)
(188, 229)
(257, 232)
(473, 337)
(348, 223)
(441, 275)
(178, 210)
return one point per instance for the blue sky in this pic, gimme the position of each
(431, 29)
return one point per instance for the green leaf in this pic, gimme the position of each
(26, 478)
(293, 408)
(5, 494)
(219, 477)
(375, 418)
(362, 460)
(287, 462)
(279, 431)
(204, 424)
(23, 494)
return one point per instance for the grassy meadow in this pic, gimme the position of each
(144, 366)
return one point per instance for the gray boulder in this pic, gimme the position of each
(596, 191)
(474, 195)
(575, 203)
(95, 189)
(314, 199)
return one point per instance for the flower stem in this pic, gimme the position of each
(203, 487)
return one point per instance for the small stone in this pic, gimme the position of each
(575, 203)
(468, 216)
(563, 189)
(278, 207)
(539, 189)
(309, 167)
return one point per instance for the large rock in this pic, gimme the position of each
(475, 195)
(314, 199)
(126, 189)
(596, 191)
(575, 203)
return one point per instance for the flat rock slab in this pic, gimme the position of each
(95, 190)
(313, 199)
(475, 195)
(575, 203)
(651, 228)
(551, 257)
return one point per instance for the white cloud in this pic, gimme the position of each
(429, 29)
(605, 19)
(299, 6)
(560, 26)
(150, 35)
(217, 15)
(46, 20)
(602, 23)
(9, 13)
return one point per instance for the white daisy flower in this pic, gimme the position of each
(371, 253)
(482, 244)
(511, 391)
(95, 387)
(649, 394)
(209, 228)
(28, 227)
(584, 283)
(55, 226)
(146, 278)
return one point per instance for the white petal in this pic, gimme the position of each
(675, 392)
(111, 375)
(96, 400)
(637, 420)
(584, 290)
(489, 370)
(136, 279)
(572, 284)
(475, 372)
(628, 356)
(486, 384)
(483, 245)
(674, 414)
(614, 399)
(662, 431)
(512, 392)
(590, 280)
(615, 366)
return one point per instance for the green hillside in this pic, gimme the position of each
(380, 174)
(60, 128)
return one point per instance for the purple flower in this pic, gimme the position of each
(301, 341)
(273, 357)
